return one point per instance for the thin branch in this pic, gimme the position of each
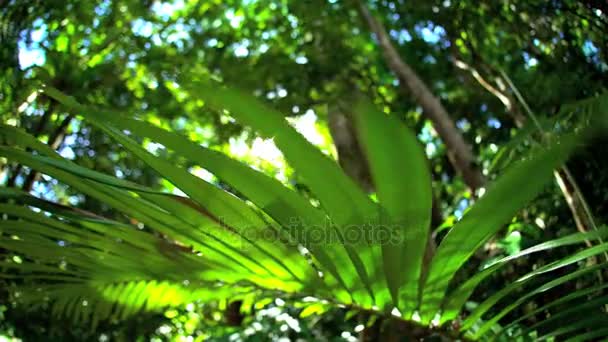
(575, 199)
(40, 127)
(54, 142)
(583, 218)
(477, 76)
(521, 100)
(459, 152)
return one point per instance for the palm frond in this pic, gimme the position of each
(211, 244)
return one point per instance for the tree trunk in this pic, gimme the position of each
(459, 152)
(351, 157)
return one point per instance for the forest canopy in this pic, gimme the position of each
(314, 170)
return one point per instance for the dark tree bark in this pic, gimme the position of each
(55, 140)
(350, 153)
(233, 315)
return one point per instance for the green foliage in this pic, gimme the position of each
(386, 141)
(123, 194)
(213, 246)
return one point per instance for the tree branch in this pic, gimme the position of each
(583, 218)
(459, 152)
(40, 127)
(54, 142)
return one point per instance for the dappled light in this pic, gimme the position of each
(303, 170)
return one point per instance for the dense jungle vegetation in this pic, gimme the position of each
(327, 170)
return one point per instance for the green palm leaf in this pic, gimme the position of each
(403, 186)
(213, 245)
(520, 184)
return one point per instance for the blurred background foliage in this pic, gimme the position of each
(298, 56)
